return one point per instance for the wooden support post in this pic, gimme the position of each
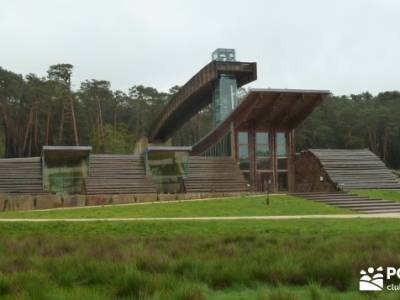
(273, 156)
(291, 157)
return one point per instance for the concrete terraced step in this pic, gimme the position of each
(356, 169)
(118, 174)
(21, 176)
(354, 202)
(214, 174)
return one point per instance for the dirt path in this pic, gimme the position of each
(235, 218)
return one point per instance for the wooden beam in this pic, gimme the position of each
(270, 103)
(243, 117)
(283, 110)
(292, 112)
(305, 112)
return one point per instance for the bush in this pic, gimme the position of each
(5, 285)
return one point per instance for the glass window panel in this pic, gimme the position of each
(282, 163)
(244, 164)
(281, 149)
(262, 150)
(262, 138)
(282, 182)
(65, 172)
(167, 169)
(246, 176)
(243, 151)
(263, 164)
(243, 137)
(224, 97)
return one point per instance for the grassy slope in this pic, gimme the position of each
(244, 206)
(382, 194)
(294, 259)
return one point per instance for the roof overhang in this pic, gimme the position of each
(278, 109)
(59, 154)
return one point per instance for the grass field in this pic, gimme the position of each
(194, 260)
(243, 206)
(382, 194)
(297, 259)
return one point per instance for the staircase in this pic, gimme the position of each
(21, 176)
(118, 174)
(354, 202)
(356, 169)
(213, 174)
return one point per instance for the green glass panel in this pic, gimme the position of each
(224, 97)
(282, 182)
(246, 176)
(167, 169)
(243, 137)
(281, 147)
(263, 164)
(64, 172)
(262, 138)
(244, 164)
(243, 151)
(262, 150)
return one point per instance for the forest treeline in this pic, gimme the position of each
(37, 111)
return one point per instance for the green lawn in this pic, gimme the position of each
(242, 206)
(382, 194)
(291, 259)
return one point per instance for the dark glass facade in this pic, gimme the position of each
(224, 98)
(220, 148)
(167, 169)
(65, 170)
(263, 157)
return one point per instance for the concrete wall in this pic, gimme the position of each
(38, 202)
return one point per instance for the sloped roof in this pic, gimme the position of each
(274, 108)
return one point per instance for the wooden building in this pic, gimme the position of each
(251, 148)
(258, 134)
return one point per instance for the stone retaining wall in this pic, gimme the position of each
(29, 202)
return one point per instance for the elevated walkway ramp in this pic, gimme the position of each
(356, 169)
(196, 94)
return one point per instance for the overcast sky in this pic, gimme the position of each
(346, 46)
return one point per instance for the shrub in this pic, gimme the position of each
(5, 285)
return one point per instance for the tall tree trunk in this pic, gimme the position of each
(61, 131)
(115, 123)
(115, 118)
(138, 113)
(28, 127)
(74, 125)
(385, 145)
(47, 127)
(100, 118)
(35, 128)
